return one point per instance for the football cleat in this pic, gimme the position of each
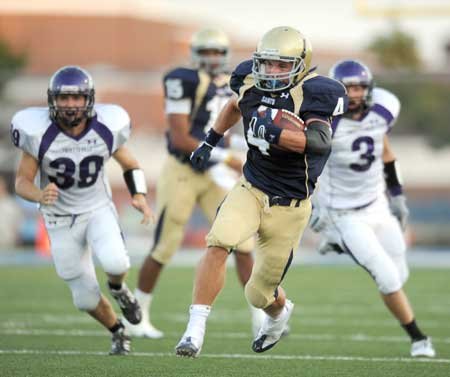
(186, 347)
(144, 329)
(272, 330)
(423, 347)
(258, 316)
(121, 343)
(128, 304)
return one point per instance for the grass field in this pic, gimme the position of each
(339, 328)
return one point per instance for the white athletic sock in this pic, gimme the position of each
(145, 300)
(198, 314)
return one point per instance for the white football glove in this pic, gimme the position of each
(319, 219)
(399, 209)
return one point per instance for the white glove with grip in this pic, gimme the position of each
(319, 219)
(399, 209)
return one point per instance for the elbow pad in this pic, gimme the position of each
(318, 138)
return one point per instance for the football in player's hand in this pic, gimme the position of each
(287, 120)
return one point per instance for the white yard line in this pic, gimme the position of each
(219, 335)
(219, 316)
(231, 356)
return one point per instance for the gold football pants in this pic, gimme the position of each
(246, 211)
(179, 189)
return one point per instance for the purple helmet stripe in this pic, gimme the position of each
(47, 140)
(104, 132)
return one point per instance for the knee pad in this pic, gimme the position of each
(387, 277)
(227, 242)
(256, 297)
(117, 263)
(403, 269)
(85, 292)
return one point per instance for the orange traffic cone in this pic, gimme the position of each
(42, 242)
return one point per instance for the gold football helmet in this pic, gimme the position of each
(284, 44)
(210, 50)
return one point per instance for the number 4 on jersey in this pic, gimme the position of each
(339, 109)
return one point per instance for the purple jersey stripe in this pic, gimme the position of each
(334, 124)
(47, 140)
(104, 132)
(385, 113)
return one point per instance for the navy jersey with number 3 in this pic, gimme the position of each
(279, 172)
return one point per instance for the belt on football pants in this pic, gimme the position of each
(363, 206)
(182, 158)
(283, 202)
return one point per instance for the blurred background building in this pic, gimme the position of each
(127, 45)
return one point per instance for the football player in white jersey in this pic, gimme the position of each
(351, 209)
(64, 149)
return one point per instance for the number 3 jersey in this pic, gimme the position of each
(74, 164)
(353, 176)
(193, 92)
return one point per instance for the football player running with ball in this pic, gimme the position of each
(272, 200)
(194, 97)
(64, 149)
(351, 209)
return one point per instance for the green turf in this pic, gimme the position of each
(339, 328)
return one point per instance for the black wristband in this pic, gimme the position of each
(212, 137)
(272, 134)
(392, 179)
(135, 181)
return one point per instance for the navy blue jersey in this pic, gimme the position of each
(279, 172)
(206, 96)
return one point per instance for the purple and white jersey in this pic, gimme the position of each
(74, 164)
(353, 175)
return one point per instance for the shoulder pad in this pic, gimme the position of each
(27, 128)
(113, 125)
(385, 104)
(239, 75)
(324, 96)
(185, 74)
(114, 117)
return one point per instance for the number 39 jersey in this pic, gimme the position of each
(353, 175)
(74, 164)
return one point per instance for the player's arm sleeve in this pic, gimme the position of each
(179, 90)
(323, 98)
(318, 138)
